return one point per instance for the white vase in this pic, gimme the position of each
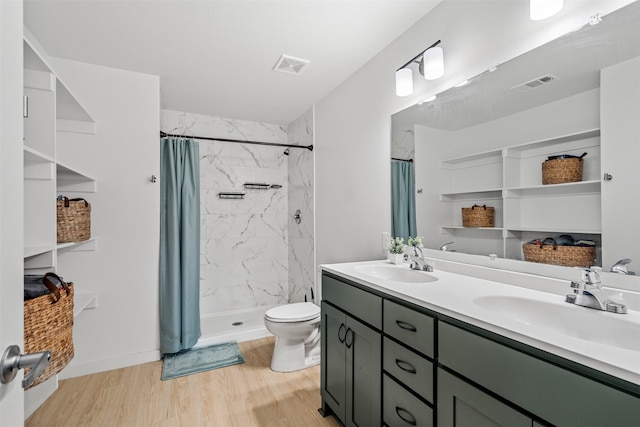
(395, 258)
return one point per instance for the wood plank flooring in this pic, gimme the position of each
(243, 395)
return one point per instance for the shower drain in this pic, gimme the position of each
(237, 324)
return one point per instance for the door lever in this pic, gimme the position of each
(13, 360)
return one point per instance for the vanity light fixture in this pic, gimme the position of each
(429, 99)
(543, 9)
(462, 83)
(431, 66)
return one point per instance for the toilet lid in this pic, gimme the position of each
(297, 312)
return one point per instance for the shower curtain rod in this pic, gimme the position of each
(274, 144)
(403, 160)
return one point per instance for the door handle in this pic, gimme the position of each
(406, 416)
(13, 360)
(405, 366)
(342, 328)
(406, 326)
(346, 337)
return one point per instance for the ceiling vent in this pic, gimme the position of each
(532, 84)
(290, 65)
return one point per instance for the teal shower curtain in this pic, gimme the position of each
(403, 202)
(179, 244)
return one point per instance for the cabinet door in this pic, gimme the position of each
(462, 405)
(364, 370)
(333, 378)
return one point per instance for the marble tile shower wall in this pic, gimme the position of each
(301, 236)
(403, 143)
(244, 243)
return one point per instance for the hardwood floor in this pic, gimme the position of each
(244, 395)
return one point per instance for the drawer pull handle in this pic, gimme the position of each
(406, 326)
(341, 329)
(405, 366)
(406, 416)
(346, 337)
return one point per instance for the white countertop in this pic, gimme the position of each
(456, 295)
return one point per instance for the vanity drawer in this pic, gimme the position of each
(358, 303)
(401, 409)
(410, 327)
(410, 368)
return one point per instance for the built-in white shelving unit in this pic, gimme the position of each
(50, 110)
(510, 180)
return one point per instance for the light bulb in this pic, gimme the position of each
(433, 60)
(404, 82)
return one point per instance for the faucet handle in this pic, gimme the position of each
(590, 277)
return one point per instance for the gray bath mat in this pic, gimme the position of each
(203, 359)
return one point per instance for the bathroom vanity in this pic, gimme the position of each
(403, 347)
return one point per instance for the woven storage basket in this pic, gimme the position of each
(48, 325)
(74, 220)
(557, 171)
(478, 216)
(568, 256)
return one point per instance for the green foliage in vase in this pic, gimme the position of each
(415, 241)
(397, 245)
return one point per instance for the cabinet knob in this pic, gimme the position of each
(607, 177)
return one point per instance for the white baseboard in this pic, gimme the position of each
(93, 367)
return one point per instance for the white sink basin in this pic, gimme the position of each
(400, 273)
(616, 330)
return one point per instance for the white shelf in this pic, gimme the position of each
(30, 251)
(570, 188)
(84, 301)
(553, 230)
(460, 227)
(551, 142)
(71, 180)
(86, 245)
(493, 193)
(486, 155)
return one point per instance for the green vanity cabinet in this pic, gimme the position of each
(550, 392)
(351, 355)
(387, 362)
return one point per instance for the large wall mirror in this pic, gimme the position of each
(484, 143)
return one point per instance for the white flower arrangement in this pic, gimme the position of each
(397, 246)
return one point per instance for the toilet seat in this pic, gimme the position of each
(289, 313)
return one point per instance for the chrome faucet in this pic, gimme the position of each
(445, 247)
(621, 267)
(589, 293)
(417, 261)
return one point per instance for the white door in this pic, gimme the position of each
(11, 210)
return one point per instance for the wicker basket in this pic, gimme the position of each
(48, 325)
(568, 256)
(478, 216)
(558, 171)
(74, 220)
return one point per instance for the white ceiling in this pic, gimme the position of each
(217, 57)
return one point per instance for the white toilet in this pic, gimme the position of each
(297, 331)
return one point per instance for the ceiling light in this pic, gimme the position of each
(542, 9)
(431, 67)
(404, 82)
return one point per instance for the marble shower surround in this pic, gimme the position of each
(301, 236)
(244, 243)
